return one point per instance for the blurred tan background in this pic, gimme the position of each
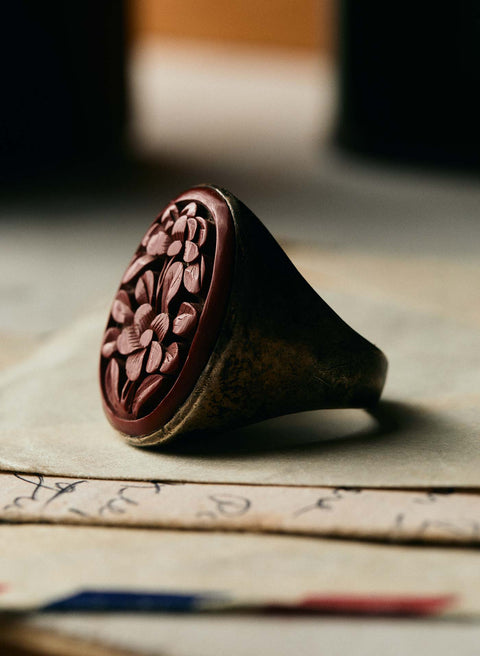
(305, 25)
(240, 94)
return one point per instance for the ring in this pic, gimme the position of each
(212, 327)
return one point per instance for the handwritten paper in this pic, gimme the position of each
(425, 434)
(394, 516)
(42, 565)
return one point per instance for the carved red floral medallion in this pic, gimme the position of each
(167, 312)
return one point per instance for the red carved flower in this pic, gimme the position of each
(180, 235)
(160, 293)
(153, 325)
(141, 342)
(109, 345)
(143, 331)
(123, 314)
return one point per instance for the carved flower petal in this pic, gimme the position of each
(160, 325)
(192, 278)
(171, 361)
(203, 231)
(136, 266)
(170, 215)
(146, 338)
(186, 320)
(123, 296)
(126, 397)
(158, 244)
(178, 231)
(155, 227)
(121, 312)
(168, 224)
(190, 210)
(109, 348)
(112, 376)
(145, 288)
(134, 364)
(175, 248)
(147, 390)
(128, 340)
(154, 357)
(191, 229)
(126, 388)
(111, 335)
(191, 251)
(143, 317)
(171, 284)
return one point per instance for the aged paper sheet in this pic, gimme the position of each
(41, 565)
(198, 635)
(391, 515)
(425, 433)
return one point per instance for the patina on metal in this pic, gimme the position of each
(213, 328)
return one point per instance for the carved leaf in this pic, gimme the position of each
(128, 340)
(202, 232)
(192, 278)
(123, 296)
(143, 317)
(191, 229)
(175, 248)
(202, 270)
(112, 376)
(111, 335)
(171, 360)
(190, 210)
(191, 251)
(109, 349)
(134, 364)
(150, 232)
(146, 337)
(178, 230)
(160, 325)
(126, 397)
(154, 357)
(146, 391)
(136, 266)
(171, 284)
(158, 244)
(145, 288)
(121, 311)
(186, 320)
(110, 342)
(170, 216)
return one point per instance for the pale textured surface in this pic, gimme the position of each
(270, 636)
(44, 563)
(388, 515)
(429, 425)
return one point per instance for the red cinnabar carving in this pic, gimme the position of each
(156, 310)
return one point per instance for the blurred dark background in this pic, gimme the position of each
(351, 126)
(408, 73)
(64, 85)
(410, 76)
